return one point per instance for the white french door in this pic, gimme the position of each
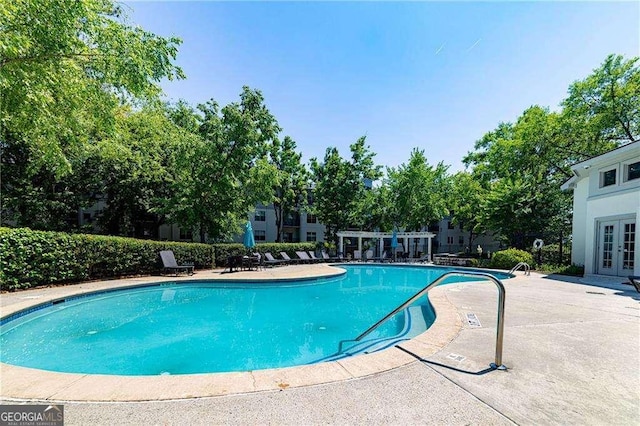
(616, 247)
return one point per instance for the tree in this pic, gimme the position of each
(466, 202)
(35, 197)
(509, 210)
(522, 168)
(135, 172)
(223, 172)
(340, 187)
(377, 208)
(290, 191)
(603, 109)
(419, 192)
(65, 65)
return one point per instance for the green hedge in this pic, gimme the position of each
(31, 258)
(574, 270)
(507, 259)
(223, 250)
(550, 254)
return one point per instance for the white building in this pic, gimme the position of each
(606, 208)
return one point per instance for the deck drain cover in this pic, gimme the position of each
(473, 320)
(456, 357)
(595, 292)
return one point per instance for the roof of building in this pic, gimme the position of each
(581, 169)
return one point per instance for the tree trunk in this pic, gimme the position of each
(279, 213)
(471, 241)
(560, 249)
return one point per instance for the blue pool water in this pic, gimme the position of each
(200, 327)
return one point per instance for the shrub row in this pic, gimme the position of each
(550, 254)
(31, 258)
(224, 250)
(507, 259)
(575, 270)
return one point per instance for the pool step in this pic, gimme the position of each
(414, 324)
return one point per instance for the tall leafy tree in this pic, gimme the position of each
(377, 208)
(65, 65)
(419, 192)
(339, 187)
(223, 173)
(290, 191)
(134, 168)
(36, 197)
(509, 209)
(522, 169)
(466, 200)
(127, 170)
(603, 109)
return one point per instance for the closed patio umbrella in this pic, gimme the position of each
(394, 243)
(249, 240)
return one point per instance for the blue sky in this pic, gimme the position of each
(431, 75)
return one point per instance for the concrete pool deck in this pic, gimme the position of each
(572, 346)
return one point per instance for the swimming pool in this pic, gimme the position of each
(198, 327)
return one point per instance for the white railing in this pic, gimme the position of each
(525, 265)
(497, 365)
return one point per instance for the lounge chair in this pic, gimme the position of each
(314, 258)
(368, 255)
(170, 264)
(635, 280)
(272, 261)
(327, 258)
(403, 256)
(384, 258)
(304, 257)
(286, 257)
(257, 261)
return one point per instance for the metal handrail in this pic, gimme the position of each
(500, 323)
(527, 268)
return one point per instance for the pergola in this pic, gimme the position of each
(382, 235)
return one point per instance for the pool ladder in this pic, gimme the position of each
(524, 265)
(497, 364)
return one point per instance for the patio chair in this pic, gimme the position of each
(384, 258)
(170, 264)
(286, 257)
(304, 257)
(314, 258)
(635, 280)
(357, 255)
(327, 258)
(368, 255)
(234, 264)
(272, 261)
(257, 261)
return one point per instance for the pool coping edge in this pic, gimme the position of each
(21, 383)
